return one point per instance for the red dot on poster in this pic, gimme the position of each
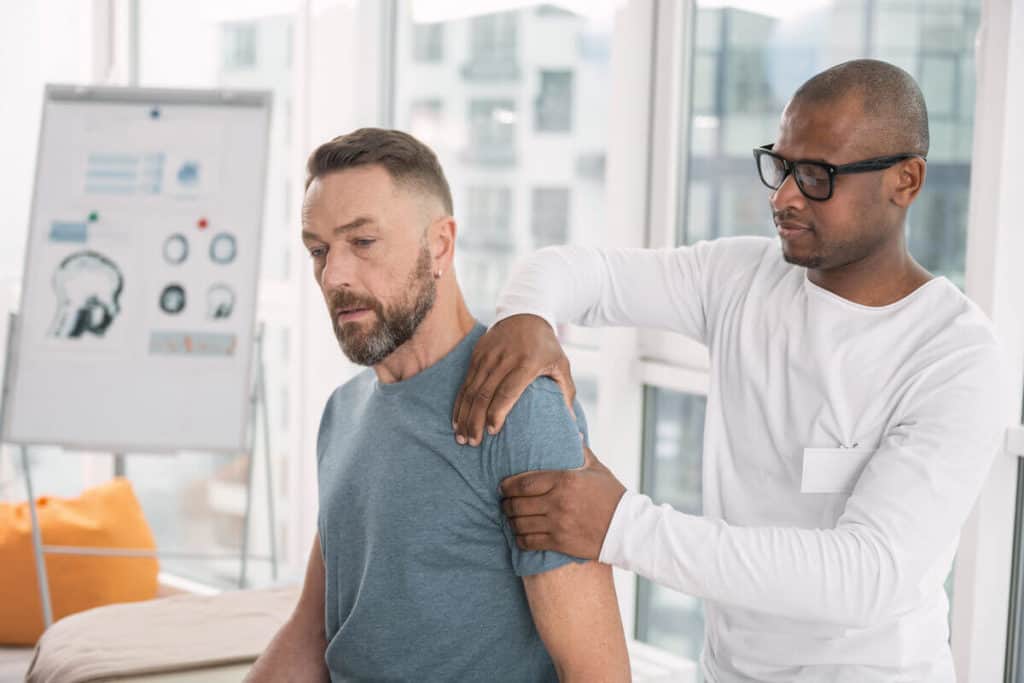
(202, 223)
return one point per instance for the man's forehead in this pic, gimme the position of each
(352, 191)
(339, 202)
(370, 183)
(822, 130)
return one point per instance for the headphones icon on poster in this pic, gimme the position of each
(220, 302)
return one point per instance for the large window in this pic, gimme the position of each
(673, 447)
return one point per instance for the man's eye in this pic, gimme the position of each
(362, 243)
(317, 252)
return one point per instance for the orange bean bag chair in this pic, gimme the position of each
(107, 516)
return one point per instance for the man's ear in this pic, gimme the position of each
(910, 176)
(441, 236)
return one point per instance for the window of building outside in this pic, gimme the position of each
(489, 210)
(239, 42)
(492, 132)
(480, 121)
(550, 216)
(428, 42)
(553, 111)
(493, 48)
(493, 37)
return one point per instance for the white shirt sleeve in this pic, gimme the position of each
(660, 288)
(893, 541)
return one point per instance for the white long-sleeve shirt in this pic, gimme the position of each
(815, 565)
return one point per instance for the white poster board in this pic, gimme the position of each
(138, 299)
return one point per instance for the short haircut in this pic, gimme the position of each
(887, 93)
(408, 161)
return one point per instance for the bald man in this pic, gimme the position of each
(851, 419)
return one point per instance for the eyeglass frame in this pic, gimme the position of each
(864, 166)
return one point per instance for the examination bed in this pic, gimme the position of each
(211, 639)
(193, 638)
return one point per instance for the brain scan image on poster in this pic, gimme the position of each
(88, 289)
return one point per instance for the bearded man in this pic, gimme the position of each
(415, 574)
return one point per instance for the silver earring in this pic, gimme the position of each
(437, 275)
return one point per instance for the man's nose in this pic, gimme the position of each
(339, 270)
(788, 196)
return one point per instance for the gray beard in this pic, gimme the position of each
(394, 326)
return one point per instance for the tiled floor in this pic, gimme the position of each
(13, 663)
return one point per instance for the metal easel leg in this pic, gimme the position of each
(37, 543)
(120, 467)
(247, 520)
(261, 385)
(246, 523)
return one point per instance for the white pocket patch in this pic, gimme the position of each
(833, 470)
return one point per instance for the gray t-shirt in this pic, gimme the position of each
(422, 569)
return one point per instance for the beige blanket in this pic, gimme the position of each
(179, 633)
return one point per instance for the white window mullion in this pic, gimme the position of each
(669, 119)
(616, 433)
(670, 141)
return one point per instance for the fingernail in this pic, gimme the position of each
(461, 439)
(455, 425)
(492, 430)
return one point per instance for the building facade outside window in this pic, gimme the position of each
(428, 43)
(550, 216)
(553, 111)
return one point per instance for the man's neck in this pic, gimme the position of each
(447, 323)
(879, 279)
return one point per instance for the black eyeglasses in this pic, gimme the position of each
(816, 179)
